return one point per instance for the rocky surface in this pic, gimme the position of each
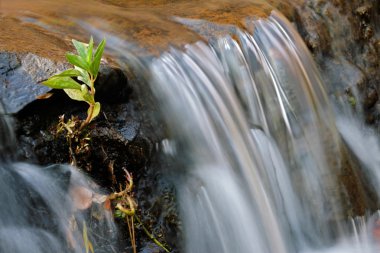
(19, 74)
(344, 37)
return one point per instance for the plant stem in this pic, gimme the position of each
(131, 229)
(73, 160)
(150, 235)
(91, 108)
(89, 116)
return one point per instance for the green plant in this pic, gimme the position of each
(86, 67)
(126, 206)
(77, 139)
(79, 84)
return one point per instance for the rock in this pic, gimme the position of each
(345, 43)
(313, 29)
(112, 85)
(370, 98)
(21, 75)
(19, 78)
(151, 248)
(7, 136)
(341, 75)
(364, 11)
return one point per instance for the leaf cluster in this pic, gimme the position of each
(78, 82)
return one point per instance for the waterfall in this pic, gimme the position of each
(258, 149)
(261, 157)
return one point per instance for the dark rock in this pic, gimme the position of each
(121, 138)
(7, 136)
(150, 248)
(109, 134)
(364, 11)
(371, 98)
(130, 129)
(112, 85)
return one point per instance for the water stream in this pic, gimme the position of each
(260, 149)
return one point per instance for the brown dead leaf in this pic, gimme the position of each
(107, 204)
(45, 96)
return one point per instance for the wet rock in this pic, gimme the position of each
(109, 134)
(348, 55)
(121, 138)
(364, 11)
(364, 14)
(371, 98)
(7, 136)
(344, 40)
(21, 75)
(313, 29)
(150, 248)
(342, 75)
(19, 78)
(112, 85)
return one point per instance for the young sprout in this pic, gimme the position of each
(86, 67)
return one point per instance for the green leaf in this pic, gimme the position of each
(97, 57)
(75, 94)
(95, 111)
(84, 77)
(86, 95)
(117, 214)
(77, 61)
(69, 72)
(80, 47)
(61, 82)
(89, 51)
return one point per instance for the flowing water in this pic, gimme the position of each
(260, 151)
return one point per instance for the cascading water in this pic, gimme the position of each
(42, 207)
(261, 154)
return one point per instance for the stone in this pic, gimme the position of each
(344, 40)
(20, 75)
(371, 98)
(112, 85)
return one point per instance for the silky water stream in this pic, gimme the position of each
(259, 152)
(259, 148)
